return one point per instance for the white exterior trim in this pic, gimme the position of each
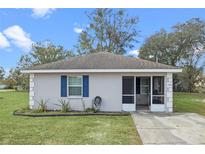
(151, 89)
(169, 92)
(135, 99)
(103, 70)
(128, 107)
(31, 91)
(158, 108)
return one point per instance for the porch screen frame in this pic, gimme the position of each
(158, 95)
(132, 94)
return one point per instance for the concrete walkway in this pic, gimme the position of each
(173, 128)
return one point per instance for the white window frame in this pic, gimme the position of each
(68, 86)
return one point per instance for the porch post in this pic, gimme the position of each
(135, 94)
(151, 85)
(31, 91)
(169, 92)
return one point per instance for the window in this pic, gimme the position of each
(158, 90)
(128, 90)
(75, 86)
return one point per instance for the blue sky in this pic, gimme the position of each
(19, 28)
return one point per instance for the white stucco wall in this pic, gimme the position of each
(109, 88)
(47, 87)
(106, 85)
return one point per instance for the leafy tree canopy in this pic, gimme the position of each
(185, 44)
(46, 52)
(110, 30)
(2, 73)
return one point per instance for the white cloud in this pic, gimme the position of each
(42, 12)
(78, 30)
(18, 37)
(4, 43)
(134, 53)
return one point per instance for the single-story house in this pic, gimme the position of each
(124, 83)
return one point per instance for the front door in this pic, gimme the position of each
(142, 92)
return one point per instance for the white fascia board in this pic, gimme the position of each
(104, 71)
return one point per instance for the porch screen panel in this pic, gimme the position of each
(137, 85)
(158, 90)
(128, 90)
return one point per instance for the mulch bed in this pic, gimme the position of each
(47, 114)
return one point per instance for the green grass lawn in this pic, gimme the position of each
(189, 102)
(61, 130)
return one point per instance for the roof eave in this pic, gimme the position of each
(177, 70)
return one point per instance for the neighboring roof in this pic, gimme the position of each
(101, 60)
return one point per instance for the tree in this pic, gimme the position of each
(41, 53)
(183, 46)
(162, 47)
(191, 79)
(174, 48)
(2, 73)
(109, 30)
(47, 52)
(14, 78)
(25, 62)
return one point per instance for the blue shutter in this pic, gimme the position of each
(63, 86)
(85, 86)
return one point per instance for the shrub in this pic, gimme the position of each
(65, 105)
(91, 110)
(36, 111)
(42, 105)
(15, 88)
(96, 110)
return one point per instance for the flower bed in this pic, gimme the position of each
(31, 113)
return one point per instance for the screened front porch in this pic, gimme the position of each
(143, 93)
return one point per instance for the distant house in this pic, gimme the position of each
(123, 83)
(2, 85)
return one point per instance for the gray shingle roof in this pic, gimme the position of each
(102, 60)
